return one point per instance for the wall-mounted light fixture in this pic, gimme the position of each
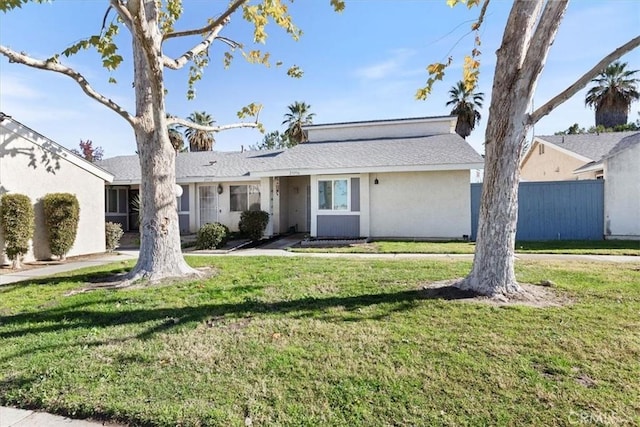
(220, 189)
(375, 181)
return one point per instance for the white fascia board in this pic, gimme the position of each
(193, 180)
(564, 150)
(371, 169)
(40, 140)
(595, 167)
(212, 178)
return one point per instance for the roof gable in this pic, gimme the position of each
(592, 146)
(56, 150)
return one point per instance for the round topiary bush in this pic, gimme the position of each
(253, 223)
(212, 236)
(113, 233)
(17, 225)
(61, 216)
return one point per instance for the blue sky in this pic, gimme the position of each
(363, 64)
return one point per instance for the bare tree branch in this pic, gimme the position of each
(176, 64)
(123, 12)
(53, 65)
(221, 20)
(583, 81)
(541, 40)
(190, 124)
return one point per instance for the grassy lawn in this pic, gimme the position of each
(578, 247)
(324, 342)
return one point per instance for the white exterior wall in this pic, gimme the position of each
(420, 205)
(383, 129)
(622, 195)
(23, 171)
(225, 216)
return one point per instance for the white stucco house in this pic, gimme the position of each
(622, 189)
(401, 178)
(34, 165)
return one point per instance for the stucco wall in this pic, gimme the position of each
(622, 195)
(420, 205)
(28, 169)
(552, 165)
(225, 216)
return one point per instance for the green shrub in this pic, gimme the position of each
(17, 225)
(212, 236)
(253, 223)
(61, 216)
(113, 234)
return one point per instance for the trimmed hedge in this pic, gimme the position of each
(61, 216)
(113, 233)
(212, 236)
(17, 223)
(253, 223)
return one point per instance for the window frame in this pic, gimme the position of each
(249, 190)
(108, 199)
(333, 181)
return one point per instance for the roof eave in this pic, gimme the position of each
(370, 169)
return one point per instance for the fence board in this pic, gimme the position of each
(559, 210)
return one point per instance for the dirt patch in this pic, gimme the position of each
(539, 296)
(6, 268)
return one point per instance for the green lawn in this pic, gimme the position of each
(325, 342)
(578, 247)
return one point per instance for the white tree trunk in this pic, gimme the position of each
(526, 41)
(160, 249)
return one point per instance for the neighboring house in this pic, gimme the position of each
(34, 165)
(622, 189)
(568, 157)
(403, 178)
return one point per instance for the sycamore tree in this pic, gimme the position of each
(528, 35)
(152, 25)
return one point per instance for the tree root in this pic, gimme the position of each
(140, 280)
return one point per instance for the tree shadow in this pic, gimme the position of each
(67, 318)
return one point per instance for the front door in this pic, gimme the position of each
(208, 200)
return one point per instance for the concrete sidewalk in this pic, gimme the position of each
(64, 267)
(12, 417)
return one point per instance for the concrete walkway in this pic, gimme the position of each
(64, 267)
(12, 417)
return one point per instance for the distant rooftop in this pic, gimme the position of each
(593, 146)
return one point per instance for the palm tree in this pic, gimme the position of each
(614, 91)
(175, 136)
(466, 104)
(200, 140)
(297, 117)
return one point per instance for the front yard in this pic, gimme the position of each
(338, 342)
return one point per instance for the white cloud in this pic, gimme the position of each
(392, 66)
(17, 88)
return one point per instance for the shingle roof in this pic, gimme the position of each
(626, 142)
(446, 149)
(436, 150)
(195, 165)
(590, 145)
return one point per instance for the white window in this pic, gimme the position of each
(244, 197)
(333, 195)
(115, 200)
